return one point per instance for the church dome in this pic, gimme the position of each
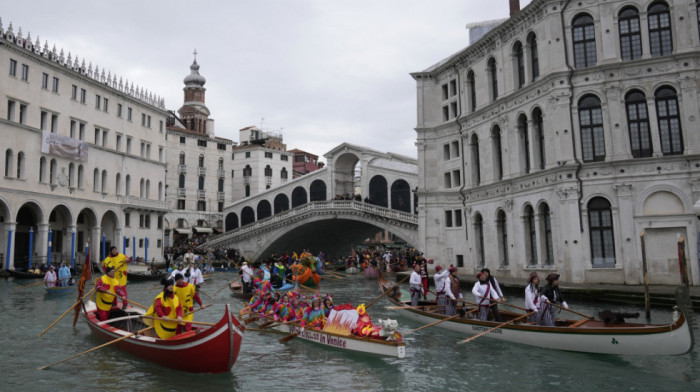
(194, 79)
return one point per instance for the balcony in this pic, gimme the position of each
(201, 194)
(268, 180)
(182, 169)
(181, 192)
(221, 173)
(202, 171)
(220, 196)
(131, 202)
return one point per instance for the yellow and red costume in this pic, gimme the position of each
(107, 289)
(117, 262)
(165, 305)
(187, 294)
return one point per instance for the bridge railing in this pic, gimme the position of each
(332, 205)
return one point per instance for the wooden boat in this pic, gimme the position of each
(370, 272)
(344, 342)
(25, 275)
(352, 270)
(237, 291)
(60, 290)
(140, 277)
(205, 350)
(305, 275)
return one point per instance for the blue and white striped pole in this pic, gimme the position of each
(48, 257)
(72, 248)
(9, 249)
(31, 247)
(104, 237)
(133, 248)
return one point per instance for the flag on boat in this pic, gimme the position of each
(84, 277)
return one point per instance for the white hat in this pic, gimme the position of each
(245, 263)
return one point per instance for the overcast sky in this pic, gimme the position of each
(322, 71)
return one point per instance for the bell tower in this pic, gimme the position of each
(194, 112)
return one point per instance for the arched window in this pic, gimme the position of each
(630, 35)
(247, 171)
(71, 175)
(127, 187)
(502, 229)
(53, 171)
(160, 191)
(476, 163)
(471, 85)
(221, 163)
(660, 37)
(118, 184)
(584, 41)
(638, 124)
(283, 173)
(148, 189)
(538, 138)
(497, 152)
(268, 171)
(95, 180)
(525, 145)
(20, 165)
(182, 158)
(534, 56)
(547, 237)
(42, 169)
(247, 190)
(669, 121)
(142, 188)
(81, 176)
(590, 117)
(493, 77)
(600, 225)
(519, 63)
(9, 160)
(201, 161)
(531, 235)
(104, 181)
(479, 232)
(200, 185)
(181, 181)
(221, 185)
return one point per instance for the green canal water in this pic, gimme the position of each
(433, 361)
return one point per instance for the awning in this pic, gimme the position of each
(183, 231)
(218, 230)
(203, 230)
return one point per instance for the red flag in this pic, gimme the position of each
(84, 277)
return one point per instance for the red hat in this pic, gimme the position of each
(430, 261)
(438, 268)
(533, 275)
(452, 269)
(478, 276)
(552, 277)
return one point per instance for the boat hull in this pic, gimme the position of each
(638, 339)
(371, 273)
(60, 290)
(25, 275)
(352, 270)
(210, 350)
(346, 343)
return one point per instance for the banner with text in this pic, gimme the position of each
(64, 147)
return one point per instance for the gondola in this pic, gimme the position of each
(140, 277)
(237, 291)
(25, 275)
(586, 335)
(204, 350)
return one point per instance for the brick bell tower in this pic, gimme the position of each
(194, 112)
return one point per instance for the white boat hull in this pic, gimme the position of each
(363, 345)
(617, 341)
(352, 270)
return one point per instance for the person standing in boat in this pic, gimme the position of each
(314, 317)
(424, 276)
(50, 277)
(118, 261)
(484, 294)
(187, 294)
(550, 294)
(454, 294)
(107, 287)
(532, 296)
(246, 277)
(440, 279)
(64, 275)
(497, 288)
(166, 305)
(416, 285)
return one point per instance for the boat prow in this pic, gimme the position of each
(204, 350)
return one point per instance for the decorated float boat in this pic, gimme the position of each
(237, 290)
(207, 350)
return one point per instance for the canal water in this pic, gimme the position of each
(433, 361)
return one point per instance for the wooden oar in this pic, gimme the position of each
(228, 285)
(201, 291)
(31, 285)
(175, 320)
(96, 348)
(293, 335)
(496, 327)
(67, 311)
(386, 292)
(572, 311)
(434, 323)
(129, 300)
(413, 307)
(334, 274)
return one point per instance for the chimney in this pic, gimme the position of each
(514, 7)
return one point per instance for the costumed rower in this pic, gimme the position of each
(532, 296)
(497, 289)
(415, 285)
(118, 261)
(282, 309)
(550, 295)
(296, 311)
(165, 305)
(484, 293)
(107, 286)
(441, 285)
(328, 304)
(187, 294)
(314, 317)
(452, 284)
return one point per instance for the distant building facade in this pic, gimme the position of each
(561, 135)
(304, 163)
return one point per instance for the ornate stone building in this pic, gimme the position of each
(562, 134)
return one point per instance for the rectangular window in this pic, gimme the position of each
(460, 261)
(182, 140)
(148, 151)
(54, 123)
(160, 223)
(97, 136)
(284, 158)
(127, 219)
(22, 113)
(11, 110)
(247, 154)
(448, 180)
(81, 128)
(160, 154)
(141, 220)
(160, 126)
(73, 89)
(268, 155)
(445, 113)
(143, 119)
(446, 152)
(128, 113)
(456, 178)
(98, 102)
(455, 149)
(119, 142)
(181, 204)
(55, 85)
(201, 205)
(73, 128)
(448, 218)
(148, 221)
(159, 243)
(44, 122)
(13, 67)
(140, 242)
(445, 92)
(25, 72)
(45, 81)
(105, 138)
(128, 145)
(453, 109)
(458, 218)
(119, 110)
(105, 104)
(221, 146)
(83, 95)
(453, 88)
(201, 143)
(221, 206)
(148, 121)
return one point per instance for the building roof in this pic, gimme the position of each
(194, 79)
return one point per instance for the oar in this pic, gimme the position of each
(572, 311)
(129, 300)
(96, 348)
(496, 327)
(301, 285)
(434, 323)
(334, 274)
(293, 334)
(413, 307)
(201, 291)
(175, 320)
(67, 311)
(228, 285)
(386, 292)
(31, 285)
